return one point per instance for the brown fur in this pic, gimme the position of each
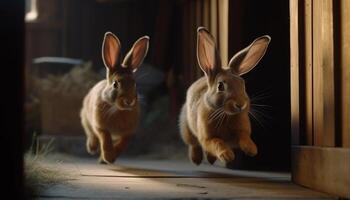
(110, 111)
(214, 118)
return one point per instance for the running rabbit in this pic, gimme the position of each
(215, 117)
(110, 111)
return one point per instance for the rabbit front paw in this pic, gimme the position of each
(248, 147)
(226, 156)
(101, 161)
(107, 157)
(210, 158)
(91, 146)
(196, 154)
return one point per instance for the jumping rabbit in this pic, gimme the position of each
(214, 118)
(110, 111)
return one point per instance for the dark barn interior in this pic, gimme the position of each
(74, 29)
(55, 48)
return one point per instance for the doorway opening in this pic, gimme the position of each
(63, 61)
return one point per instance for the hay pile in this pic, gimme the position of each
(39, 176)
(61, 99)
(74, 83)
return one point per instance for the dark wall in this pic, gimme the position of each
(270, 80)
(76, 28)
(87, 22)
(12, 54)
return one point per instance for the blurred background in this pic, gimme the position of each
(63, 61)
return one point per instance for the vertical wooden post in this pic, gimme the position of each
(294, 73)
(308, 72)
(345, 72)
(324, 78)
(323, 73)
(223, 30)
(214, 18)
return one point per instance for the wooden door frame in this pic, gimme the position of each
(320, 154)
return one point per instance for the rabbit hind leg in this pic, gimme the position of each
(91, 139)
(195, 151)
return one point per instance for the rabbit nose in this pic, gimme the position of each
(239, 107)
(129, 102)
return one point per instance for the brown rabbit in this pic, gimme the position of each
(111, 110)
(215, 115)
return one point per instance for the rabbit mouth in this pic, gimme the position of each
(123, 104)
(124, 107)
(232, 112)
(234, 108)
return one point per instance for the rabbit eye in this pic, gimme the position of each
(221, 86)
(115, 84)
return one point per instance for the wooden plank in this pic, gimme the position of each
(323, 73)
(317, 73)
(328, 74)
(308, 72)
(213, 18)
(223, 30)
(345, 73)
(324, 169)
(294, 71)
(223, 6)
(206, 14)
(169, 179)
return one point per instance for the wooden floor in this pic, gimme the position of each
(162, 179)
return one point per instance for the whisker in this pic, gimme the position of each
(215, 117)
(220, 113)
(258, 111)
(261, 105)
(256, 119)
(224, 119)
(211, 115)
(111, 110)
(214, 114)
(263, 92)
(257, 98)
(221, 120)
(262, 113)
(263, 118)
(218, 121)
(267, 93)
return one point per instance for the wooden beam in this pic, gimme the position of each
(308, 72)
(294, 70)
(214, 18)
(322, 168)
(328, 74)
(317, 73)
(345, 72)
(223, 6)
(323, 73)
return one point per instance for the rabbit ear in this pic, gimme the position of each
(207, 54)
(137, 53)
(248, 58)
(111, 51)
